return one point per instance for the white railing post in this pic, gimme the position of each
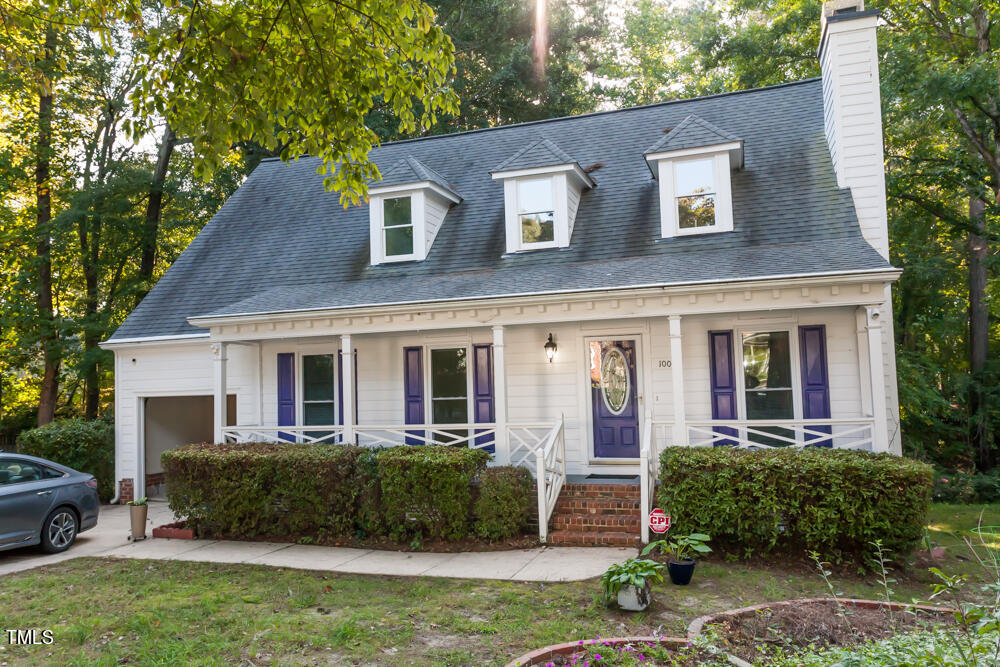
(543, 513)
(347, 419)
(219, 417)
(680, 434)
(880, 433)
(501, 437)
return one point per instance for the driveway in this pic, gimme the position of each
(111, 532)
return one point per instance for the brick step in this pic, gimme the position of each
(578, 538)
(601, 490)
(596, 522)
(576, 505)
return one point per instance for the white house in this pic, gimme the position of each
(574, 293)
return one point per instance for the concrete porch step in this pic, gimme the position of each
(577, 538)
(597, 522)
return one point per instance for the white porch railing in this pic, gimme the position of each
(550, 475)
(856, 433)
(648, 469)
(287, 434)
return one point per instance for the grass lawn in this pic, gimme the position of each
(108, 612)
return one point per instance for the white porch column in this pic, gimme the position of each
(219, 415)
(347, 354)
(502, 447)
(876, 371)
(680, 434)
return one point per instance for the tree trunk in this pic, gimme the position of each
(978, 335)
(43, 247)
(154, 208)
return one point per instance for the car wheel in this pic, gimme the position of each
(59, 531)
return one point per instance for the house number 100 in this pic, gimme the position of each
(663, 363)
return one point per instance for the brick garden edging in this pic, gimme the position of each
(696, 626)
(541, 655)
(174, 531)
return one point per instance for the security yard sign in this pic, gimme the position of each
(658, 521)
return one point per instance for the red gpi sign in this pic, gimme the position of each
(659, 522)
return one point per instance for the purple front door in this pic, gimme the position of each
(613, 399)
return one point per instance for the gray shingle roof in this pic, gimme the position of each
(411, 170)
(282, 243)
(540, 153)
(692, 132)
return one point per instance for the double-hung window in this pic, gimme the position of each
(767, 382)
(449, 390)
(694, 182)
(536, 212)
(319, 406)
(397, 227)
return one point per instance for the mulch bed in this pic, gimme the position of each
(173, 530)
(798, 625)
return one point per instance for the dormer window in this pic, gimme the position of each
(542, 190)
(407, 208)
(693, 163)
(537, 212)
(695, 186)
(397, 227)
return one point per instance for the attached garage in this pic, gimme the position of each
(175, 421)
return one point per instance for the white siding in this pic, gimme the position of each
(539, 391)
(435, 209)
(174, 370)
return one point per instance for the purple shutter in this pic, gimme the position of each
(815, 379)
(340, 386)
(723, 376)
(286, 393)
(413, 390)
(482, 391)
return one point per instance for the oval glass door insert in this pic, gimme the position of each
(615, 381)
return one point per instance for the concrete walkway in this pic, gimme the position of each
(109, 539)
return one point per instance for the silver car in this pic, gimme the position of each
(44, 503)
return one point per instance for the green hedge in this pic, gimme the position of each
(87, 446)
(427, 490)
(259, 489)
(504, 502)
(320, 491)
(834, 502)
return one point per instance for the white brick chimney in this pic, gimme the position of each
(848, 55)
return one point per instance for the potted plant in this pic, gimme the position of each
(680, 555)
(137, 510)
(629, 582)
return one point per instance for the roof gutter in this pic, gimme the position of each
(876, 275)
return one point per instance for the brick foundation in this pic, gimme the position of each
(126, 490)
(597, 514)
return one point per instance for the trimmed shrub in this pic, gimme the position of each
(369, 520)
(86, 446)
(834, 502)
(257, 489)
(427, 490)
(504, 501)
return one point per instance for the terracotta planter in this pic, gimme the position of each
(138, 515)
(542, 655)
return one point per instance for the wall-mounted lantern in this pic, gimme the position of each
(550, 349)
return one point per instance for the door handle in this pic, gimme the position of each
(44, 493)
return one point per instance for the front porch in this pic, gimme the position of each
(795, 377)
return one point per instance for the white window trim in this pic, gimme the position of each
(669, 219)
(300, 394)
(560, 222)
(793, 351)
(429, 381)
(417, 217)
